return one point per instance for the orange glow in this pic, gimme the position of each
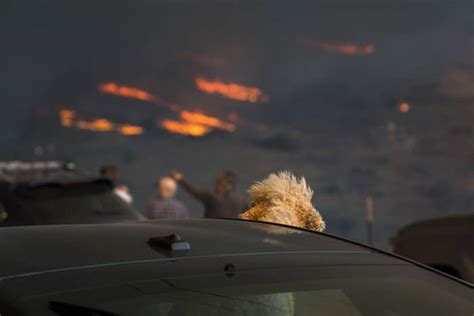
(135, 93)
(199, 118)
(68, 119)
(232, 91)
(348, 49)
(404, 107)
(97, 125)
(130, 130)
(185, 128)
(125, 91)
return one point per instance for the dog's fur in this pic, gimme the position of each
(282, 198)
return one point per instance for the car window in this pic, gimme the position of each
(341, 291)
(76, 207)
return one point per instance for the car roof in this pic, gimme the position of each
(42, 178)
(30, 250)
(454, 223)
(43, 172)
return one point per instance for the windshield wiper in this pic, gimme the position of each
(66, 309)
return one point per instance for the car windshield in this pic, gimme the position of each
(355, 291)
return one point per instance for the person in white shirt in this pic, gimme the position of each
(111, 172)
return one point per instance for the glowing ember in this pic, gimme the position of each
(404, 107)
(185, 128)
(125, 91)
(232, 91)
(68, 119)
(199, 118)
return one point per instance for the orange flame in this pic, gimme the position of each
(190, 123)
(129, 130)
(404, 107)
(350, 49)
(185, 128)
(135, 93)
(68, 119)
(231, 90)
(210, 121)
(125, 91)
(97, 125)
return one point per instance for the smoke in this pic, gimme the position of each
(458, 83)
(286, 142)
(167, 51)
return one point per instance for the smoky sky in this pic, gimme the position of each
(53, 48)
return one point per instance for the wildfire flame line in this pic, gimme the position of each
(190, 123)
(185, 128)
(210, 121)
(130, 130)
(68, 119)
(125, 91)
(195, 124)
(231, 90)
(350, 49)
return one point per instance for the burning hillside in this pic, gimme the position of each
(350, 49)
(231, 90)
(190, 123)
(195, 124)
(125, 91)
(185, 128)
(68, 118)
(209, 121)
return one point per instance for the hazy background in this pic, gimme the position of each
(333, 76)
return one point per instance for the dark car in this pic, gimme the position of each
(445, 243)
(55, 193)
(213, 267)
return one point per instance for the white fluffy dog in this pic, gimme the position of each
(284, 199)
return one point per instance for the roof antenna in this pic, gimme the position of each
(171, 242)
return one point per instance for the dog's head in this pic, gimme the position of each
(284, 199)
